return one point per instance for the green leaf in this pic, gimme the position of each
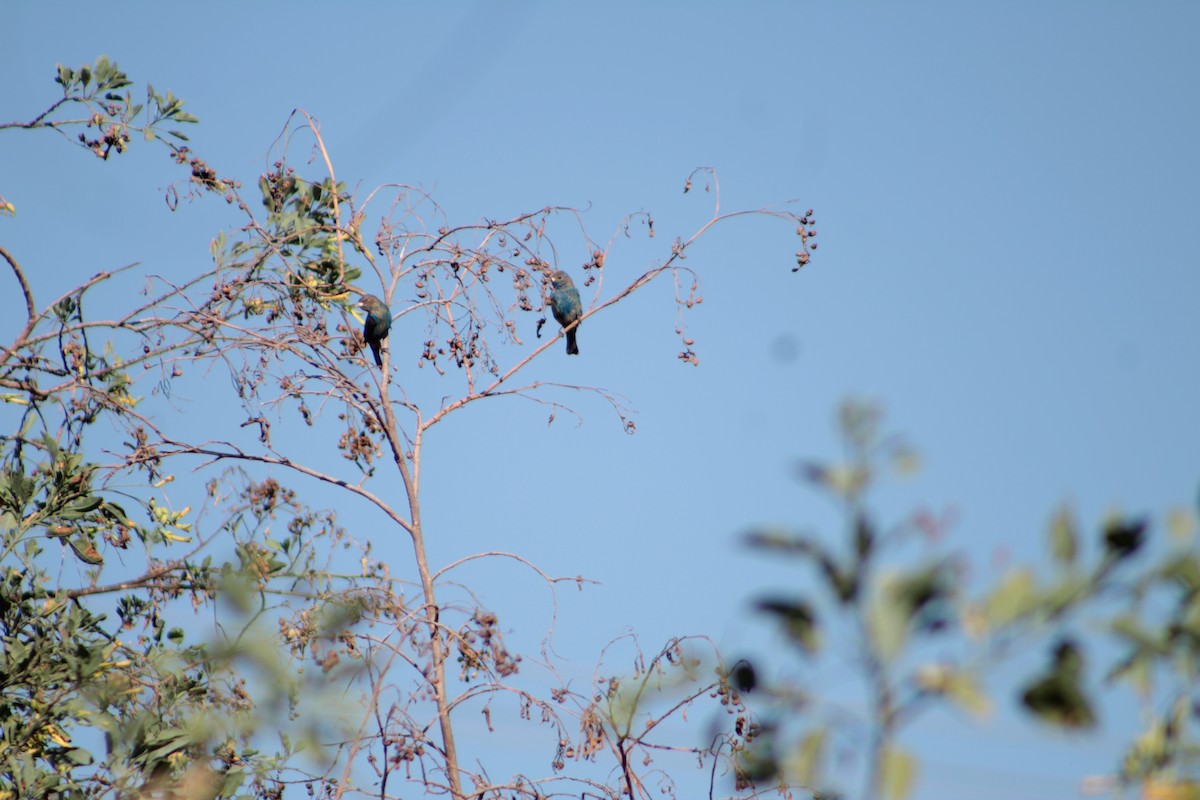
(1064, 537)
(805, 762)
(1137, 670)
(1013, 598)
(859, 421)
(1183, 570)
(178, 135)
(116, 513)
(1066, 594)
(86, 551)
(231, 782)
(85, 505)
(1181, 525)
(888, 626)
(845, 480)
(79, 756)
(959, 686)
(782, 541)
(1130, 628)
(164, 743)
(898, 774)
(905, 461)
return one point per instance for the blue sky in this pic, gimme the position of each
(1005, 195)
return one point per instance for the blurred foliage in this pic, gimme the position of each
(885, 594)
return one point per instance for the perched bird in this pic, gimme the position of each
(564, 302)
(379, 320)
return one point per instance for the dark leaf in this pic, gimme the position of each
(1057, 697)
(1059, 701)
(799, 621)
(1123, 538)
(743, 676)
(864, 536)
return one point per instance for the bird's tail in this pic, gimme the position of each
(572, 348)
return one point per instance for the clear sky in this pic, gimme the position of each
(1006, 196)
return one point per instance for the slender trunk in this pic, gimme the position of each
(437, 652)
(437, 644)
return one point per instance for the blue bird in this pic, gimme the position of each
(379, 321)
(564, 302)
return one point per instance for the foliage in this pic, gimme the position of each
(241, 642)
(924, 635)
(110, 116)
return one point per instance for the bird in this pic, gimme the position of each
(564, 302)
(379, 321)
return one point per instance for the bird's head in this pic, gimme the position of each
(370, 303)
